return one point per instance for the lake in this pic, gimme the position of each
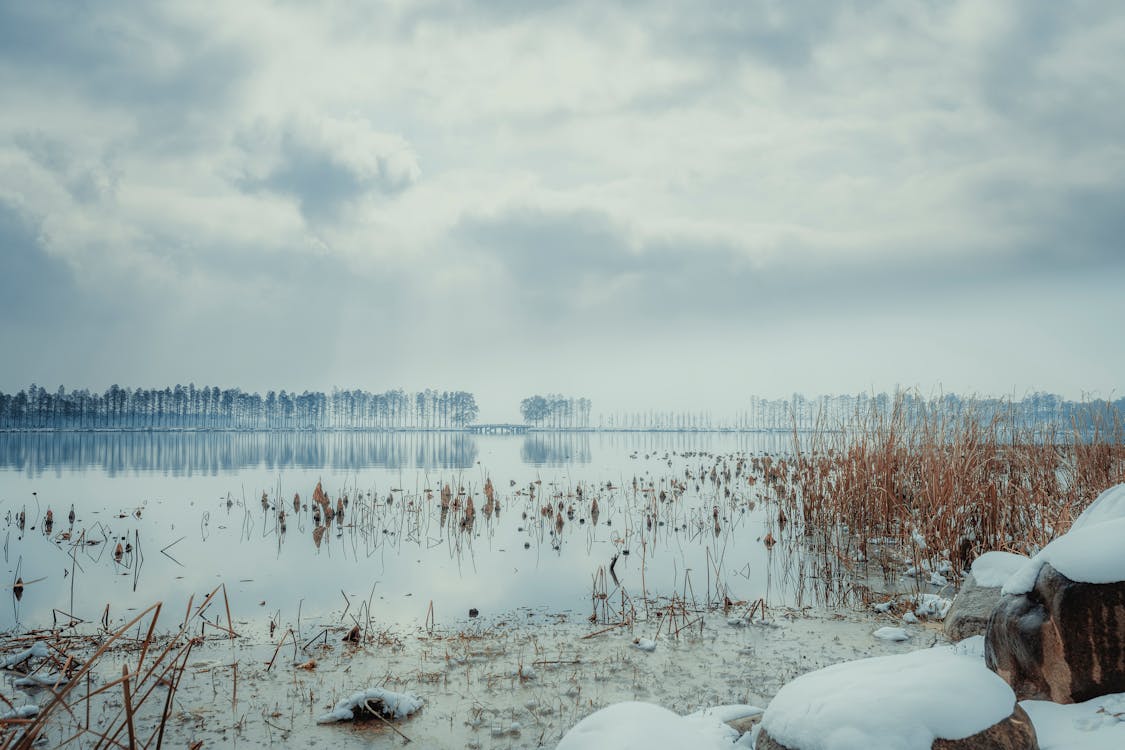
(187, 510)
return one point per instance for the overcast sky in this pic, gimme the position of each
(649, 204)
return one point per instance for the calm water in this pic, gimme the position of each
(190, 506)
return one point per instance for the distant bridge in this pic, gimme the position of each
(497, 429)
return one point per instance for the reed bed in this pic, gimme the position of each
(932, 491)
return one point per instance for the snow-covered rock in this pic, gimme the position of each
(980, 593)
(1091, 553)
(902, 702)
(1108, 506)
(1059, 631)
(389, 704)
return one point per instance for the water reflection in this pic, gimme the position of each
(211, 453)
(556, 448)
(208, 453)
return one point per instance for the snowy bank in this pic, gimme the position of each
(1097, 724)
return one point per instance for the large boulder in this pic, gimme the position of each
(1062, 641)
(935, 698)
(1013, 733)
(1058, 633)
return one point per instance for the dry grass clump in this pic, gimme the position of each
(129, 711)
(939, 489)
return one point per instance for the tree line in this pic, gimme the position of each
(211, 407)
(556, 411)
(1037, 411)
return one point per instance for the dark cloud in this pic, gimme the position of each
(85, 181)
(327, 165)
(582, 265)
(32, 285)
(778, 33)
(170, 74)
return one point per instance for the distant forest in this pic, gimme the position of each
(211, 408)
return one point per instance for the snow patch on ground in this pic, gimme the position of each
(973, 646)
(1097, 724)
(993, 569)
(732, 712)
(645, 726)
(903, 702)
(39, 649)
(891, 634)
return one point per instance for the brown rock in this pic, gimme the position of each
(1063, 641)
(1013, 733)
(745, 724)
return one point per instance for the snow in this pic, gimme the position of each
(932, 606)
(1108, 506)
(891, 634)
(645, 726)
(388, 703)
(972, 646)
(34, 680)
(644, 644)
(731, 712)
(1091, 553)
(901, 702)
(1097, 724)
(39, 648)
(992, 569)
(21, 712)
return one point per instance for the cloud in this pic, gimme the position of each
(396, 186)
(32, 283)
(325, 163)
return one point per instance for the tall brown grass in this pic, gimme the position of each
(941, 488)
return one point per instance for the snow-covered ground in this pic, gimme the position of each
(895, 702)
(905, 701)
